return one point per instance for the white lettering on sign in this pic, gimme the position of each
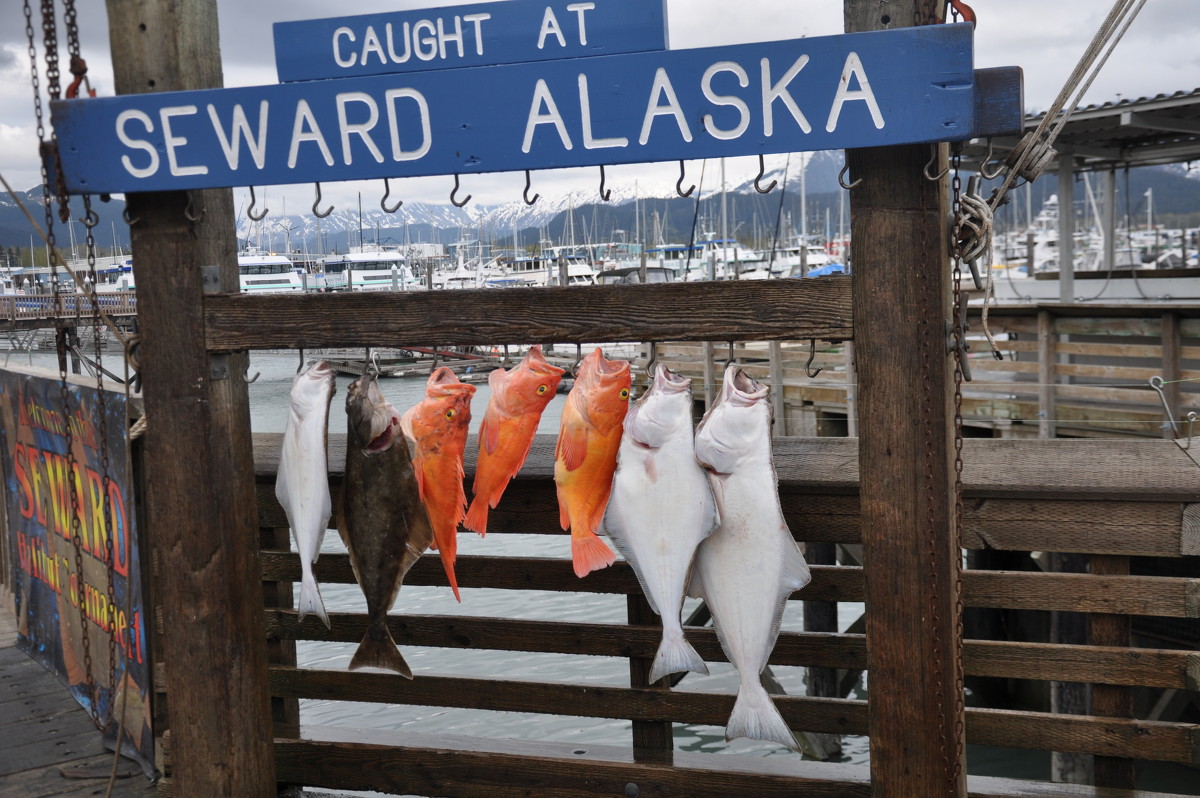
(662, 87)
(239, 129)
(542, 96)
(550, 25)
(854, 69)
(779, 91)
(425, 38)
(580, 8)
(727, 100)
(398, 154)
(585, 109)
(137, 144)
(173, 142)
(362, 129)
(305, 119)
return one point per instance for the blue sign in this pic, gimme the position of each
(511, 32)
(838, 92)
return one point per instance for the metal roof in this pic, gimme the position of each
(1149, 130)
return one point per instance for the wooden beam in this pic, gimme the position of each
(902, 291)
(200, 493)
(749, 310)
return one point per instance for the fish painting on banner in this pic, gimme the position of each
(63, 599)
(872, 89)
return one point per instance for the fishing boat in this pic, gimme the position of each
(367, 268)
(262, 272)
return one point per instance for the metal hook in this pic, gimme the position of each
(253, 203)
(1157, 384)
(762, 170)
(300, 368)
(578, 360)
(604, 195)
(983, 170)
(91, 218)
(528, 201)
(679, 185)
(249, 380)
(455, 202)
(812, 355)
(651, 359)
(190, 214)
(842, 177)
(129, 221)
(434, 366)
(507, 362)
(387, 192)
(317, 213)
(729, 359)
(928, 166)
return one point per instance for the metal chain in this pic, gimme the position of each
(960, 352)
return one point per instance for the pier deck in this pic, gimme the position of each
(49, 740)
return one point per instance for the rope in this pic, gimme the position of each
(1035, 151)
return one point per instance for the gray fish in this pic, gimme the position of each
(302, 483)
(749, 566)
(660, 509)
(380, 517)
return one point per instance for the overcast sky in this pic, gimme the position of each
(1160, 54)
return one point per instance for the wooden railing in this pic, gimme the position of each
(39, 306)
(1102, 499)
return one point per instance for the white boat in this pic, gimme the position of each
(261, 272)
(369, 268)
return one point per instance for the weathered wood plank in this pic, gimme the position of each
(1166, 597)
(200, 493)
(1041, 661)
(783, 309)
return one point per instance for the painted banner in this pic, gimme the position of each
(873, 89)
(65, 614)
(511, 32)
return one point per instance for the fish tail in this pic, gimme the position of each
(448, 564)
(756, 716)
(310, 598)
(378, 650)
(477, 515)
(589, 553)
(675, 654)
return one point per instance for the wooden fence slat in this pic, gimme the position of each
(716, 311)
(1167, 597)
(1164, 742)
(1039, 661)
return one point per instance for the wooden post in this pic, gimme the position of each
(778, 406)
(1047, 375)
(851, 391)
(1108, 700)
(1171, 374)
(1069, 698)
(902, 292)
(822, 616)
(200, 500)
(652, 739)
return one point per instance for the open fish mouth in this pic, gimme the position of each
(384, 440)
(668, 381)
(742, 389)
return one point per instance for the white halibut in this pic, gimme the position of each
(660, 508)
(302, 482)
(746, 570)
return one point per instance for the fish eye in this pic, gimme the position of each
(541, 391)
(450, 414)
(624, 393)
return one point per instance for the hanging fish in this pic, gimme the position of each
(748, 567)
(437, 426)
(586, 455)
(381, 517)
(519, 396)
(302, 482)
(661, 508)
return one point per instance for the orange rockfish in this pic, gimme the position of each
(586, 455)
(518, 398)
(437, 427)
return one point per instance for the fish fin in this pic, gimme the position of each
(406, 425)
(489, 432)
(378, 650)
(572, 446)
(675, 654)
(449, 554)
(477, 515)
(756, 716)
(796, 573)
(497, 379)
(589, 553)
(310, 599)
(620, 538)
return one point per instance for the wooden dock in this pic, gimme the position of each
(51, 747)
